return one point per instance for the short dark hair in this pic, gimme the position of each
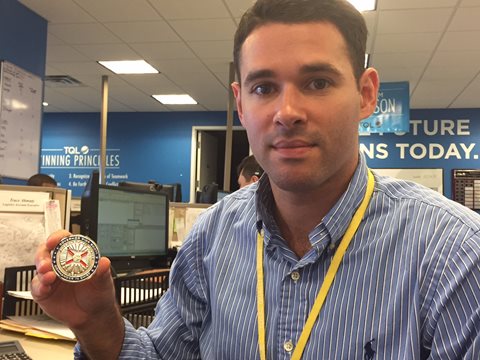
(249, 167)
(40, 180)
(348, 20)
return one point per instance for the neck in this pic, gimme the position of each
(298, 213)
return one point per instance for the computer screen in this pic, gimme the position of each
(130, 226)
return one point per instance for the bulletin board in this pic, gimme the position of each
(20, 121)
(431, 178)
(466, 187)
(23, 221)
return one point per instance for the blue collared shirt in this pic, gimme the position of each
(408, 286)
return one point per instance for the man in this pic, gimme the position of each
(244, 283)
(248, 171)
(41, 180)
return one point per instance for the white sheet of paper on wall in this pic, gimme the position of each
(52, 217)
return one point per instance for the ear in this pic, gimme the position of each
(254, 178)
(238, 99)
(368, 85)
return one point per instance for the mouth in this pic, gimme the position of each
(292, 148)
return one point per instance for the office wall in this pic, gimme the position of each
(144, 146)
(23, 37)
(140, 146)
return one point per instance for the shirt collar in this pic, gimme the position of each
(337, 219)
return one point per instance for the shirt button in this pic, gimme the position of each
(288, 345)
(331, 246)
(295, 275)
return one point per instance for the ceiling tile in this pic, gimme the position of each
(53, 40)
(83, 33)
(398, 59)
(215, 99)
(469, 98)
(58, 53)
(133, 97)
(147, 31)
(470, 3)
(59, 11)
(212, 49)
(415, 4)
(402, 73)
(114, 106)
(108, 52)
(151, 84)
(67, 103)
(414, 42)
(413, 21)
(460, 41)
(119, 10)
(449, 73)
(456, 59)
(76, 68)
(238, 7)
(186, 9)
(466, 19)
(163, 50)
(436, 94)
(199, 30)
(221, 68)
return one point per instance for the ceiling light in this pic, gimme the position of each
(183, 99)
(364, 5)
(129, 67)
(45, 103)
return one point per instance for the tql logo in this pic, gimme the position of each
(74, 150)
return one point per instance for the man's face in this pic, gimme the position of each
(300, 103)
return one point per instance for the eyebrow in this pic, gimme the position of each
(320, 67)
(305, 69)
(258, 74)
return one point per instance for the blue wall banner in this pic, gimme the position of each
(141, 147)
(392, 113)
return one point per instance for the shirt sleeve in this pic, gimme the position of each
(175, 331)
(454, 326)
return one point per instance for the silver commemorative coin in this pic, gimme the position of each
(75, 258)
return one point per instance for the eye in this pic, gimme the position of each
(319, 84)
(262, 89)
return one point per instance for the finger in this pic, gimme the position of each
(55, 238)
(103, 266)
(44, 264)
(47, 278)
(39, 290)
(103, 275)
(43, 260)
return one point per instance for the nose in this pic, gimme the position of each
(290, 111)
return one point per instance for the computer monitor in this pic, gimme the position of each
(130, 227)
(173, 191)
(221, 194)
(209, 194)
(88, 204)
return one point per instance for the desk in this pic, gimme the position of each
(40, 349)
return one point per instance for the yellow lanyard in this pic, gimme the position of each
(327, 283)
